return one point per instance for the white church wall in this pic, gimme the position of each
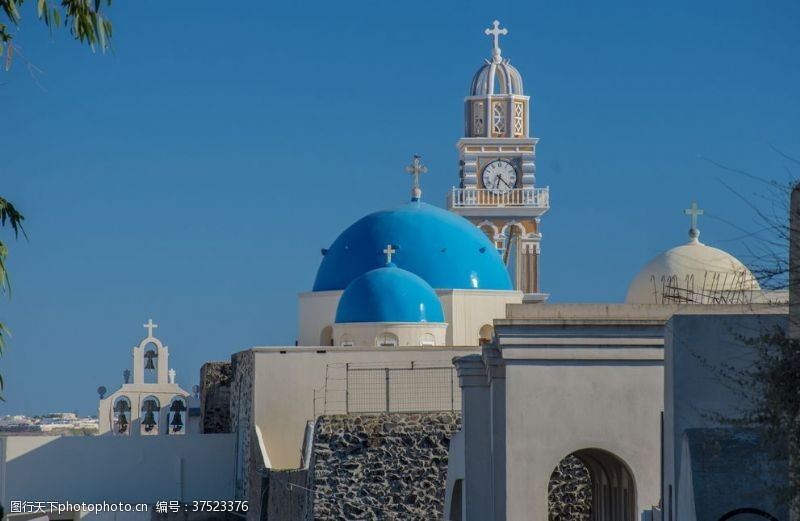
(286, 378)
(317, 311)
(405, 334)
(694, 392)
(454, 491)
(478, 487)
(468, 311)
(114, 469)
(612, 406)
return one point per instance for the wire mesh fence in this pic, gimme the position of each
(407, 387)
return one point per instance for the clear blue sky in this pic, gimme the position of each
(193, 174)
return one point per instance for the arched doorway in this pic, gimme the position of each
(747, 514)
(591, 485)
(326, 336)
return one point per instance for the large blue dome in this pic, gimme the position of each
(389, 294)
(446, 250)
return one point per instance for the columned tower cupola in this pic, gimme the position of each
(497, 168)
(496, 105)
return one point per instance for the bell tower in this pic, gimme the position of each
(497, 159)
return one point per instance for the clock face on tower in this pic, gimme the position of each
(499, 176)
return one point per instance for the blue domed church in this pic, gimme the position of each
(420, 275)
(412, 275)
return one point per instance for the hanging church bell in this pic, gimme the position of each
(122, 423)
(177, 408)
(177, 422)
(149, 420)
(122, 408)
(149, 356)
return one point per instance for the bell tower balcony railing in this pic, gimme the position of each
(534, 200)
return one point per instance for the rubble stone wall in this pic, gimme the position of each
(377, 467)
(215, 397)
(570, 491)
(241, 407)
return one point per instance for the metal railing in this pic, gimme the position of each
(522, 197)
(407, 387)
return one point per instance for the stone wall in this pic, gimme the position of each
(215, 397)
(570, 491)
(287, 496)
(380, 467)
(241, 410)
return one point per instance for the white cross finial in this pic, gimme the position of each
(415, 169)
(150, 327)
(389, 251)
(171, 374)
(495, 32)
(694, 212)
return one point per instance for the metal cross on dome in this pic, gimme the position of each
(495, 32)
(415, 169)
(694, 212)
(389, 251)
(150, 326)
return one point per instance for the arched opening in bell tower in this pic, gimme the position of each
(591, 485)
(150, 365)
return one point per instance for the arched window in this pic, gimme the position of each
(326, 336)
(148, 419)
(427, 339)
(121, 416)
(486, 334)
(488, 231)
(346, 341)
(387, 339)
(176, 417)
(592, 484)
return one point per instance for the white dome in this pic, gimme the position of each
(496, 77)
(696, 274)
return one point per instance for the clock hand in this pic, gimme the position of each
(497, 182)
(504, 182)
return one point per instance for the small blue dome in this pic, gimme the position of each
(446, 250)
(389, 294)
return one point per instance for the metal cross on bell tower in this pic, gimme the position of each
(415, 169)
(150, 326)
(495, 32)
